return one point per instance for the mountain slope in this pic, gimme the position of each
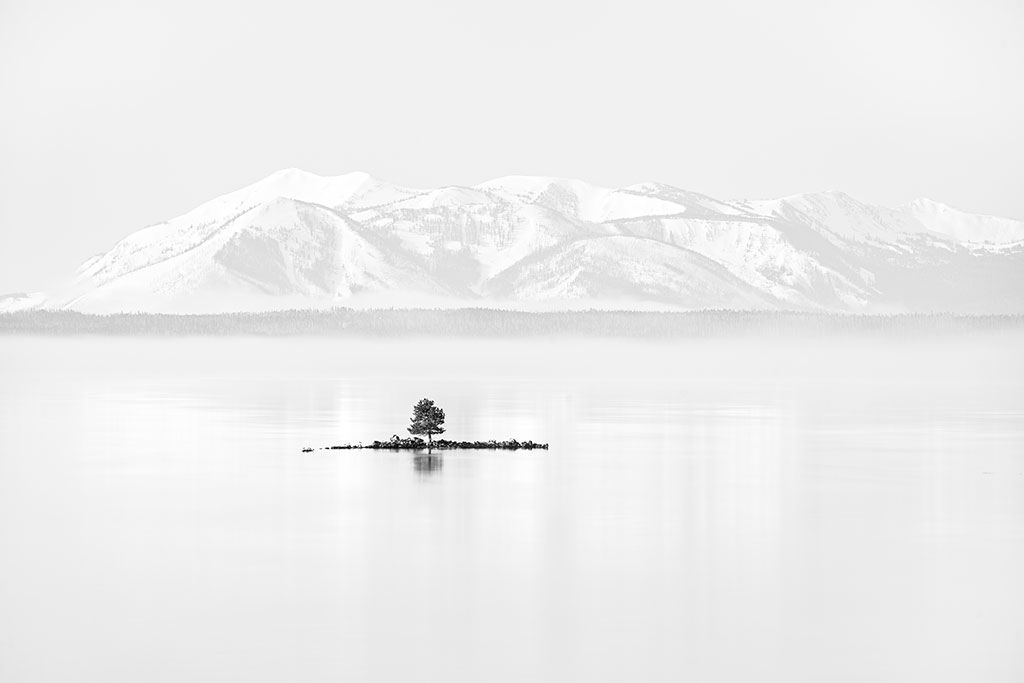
(630, 272)
(282, 250)
(295, 239)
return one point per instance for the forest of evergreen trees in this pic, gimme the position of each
(481, 322)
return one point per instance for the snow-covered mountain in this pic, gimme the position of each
(298, 240)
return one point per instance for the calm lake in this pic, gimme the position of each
(707, 511)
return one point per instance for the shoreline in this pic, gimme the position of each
(417, 444)
(494, 323)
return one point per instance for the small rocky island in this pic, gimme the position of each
(428, 419)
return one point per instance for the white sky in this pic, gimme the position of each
(115, 115)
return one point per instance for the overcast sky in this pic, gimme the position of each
(115, 115)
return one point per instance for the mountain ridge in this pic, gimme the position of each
(524, 241)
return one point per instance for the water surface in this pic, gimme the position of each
(715, 511)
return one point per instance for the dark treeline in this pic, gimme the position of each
(482, 322)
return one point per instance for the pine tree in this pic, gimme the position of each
(427, 419)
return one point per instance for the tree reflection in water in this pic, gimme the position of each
(427, 464)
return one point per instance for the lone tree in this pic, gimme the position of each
(427, 419)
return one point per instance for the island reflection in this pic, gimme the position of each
(427, 464)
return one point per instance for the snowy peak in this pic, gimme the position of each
(297, 239)
(839, 217)
(965, 227)
(586, 202)
(291, 183)
(351, 189)
(569, 197)
(529, 188)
